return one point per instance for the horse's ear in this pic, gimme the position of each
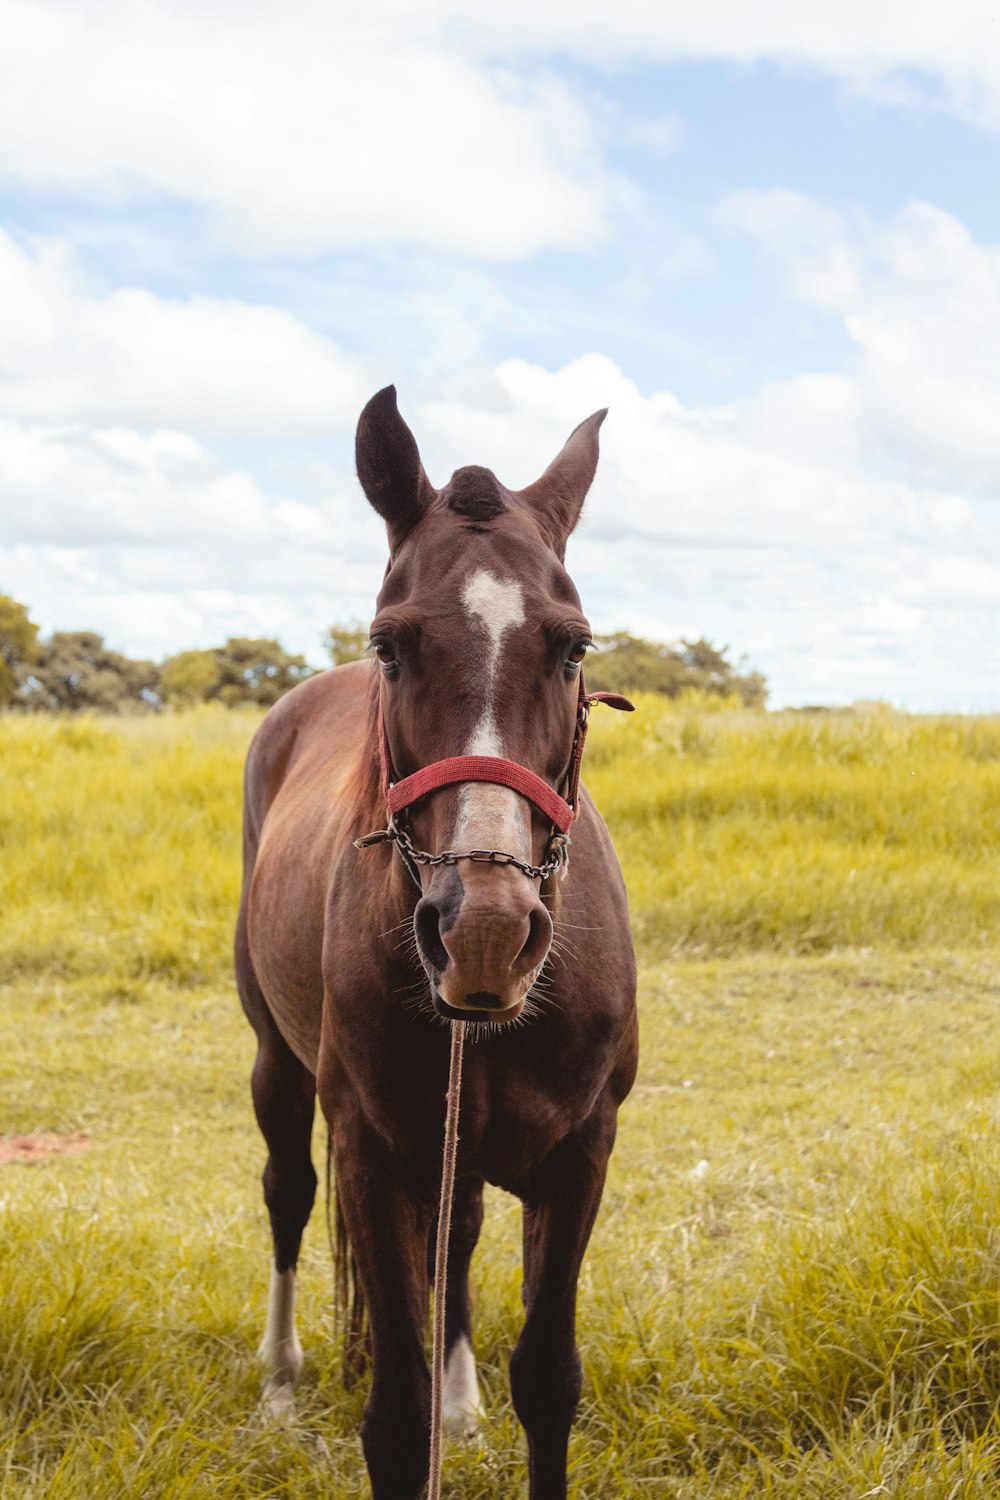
(557, 498)
(389, 466)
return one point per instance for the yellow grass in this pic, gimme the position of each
(793, 1286)
(745, 832)
(119, 845)
(740, 832)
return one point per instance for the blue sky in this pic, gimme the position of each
(767, 238)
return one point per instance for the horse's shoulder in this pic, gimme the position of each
(319, 718)
(336, 694)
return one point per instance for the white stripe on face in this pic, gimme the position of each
(491, 816)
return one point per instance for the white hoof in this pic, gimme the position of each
(280, 1351)
(277, 1402)
(463, 1409)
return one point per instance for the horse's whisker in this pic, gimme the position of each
(407, 922)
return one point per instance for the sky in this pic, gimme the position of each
(766, 237)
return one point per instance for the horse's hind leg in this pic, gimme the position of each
(284, 1093)
(462, 1404)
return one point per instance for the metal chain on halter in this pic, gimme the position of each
(557, 854)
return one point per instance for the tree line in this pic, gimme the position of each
(73, 670)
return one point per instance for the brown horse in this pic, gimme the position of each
(347, 960)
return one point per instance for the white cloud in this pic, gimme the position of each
(796, 524)
(836, 583)
(70, 353)
(905, 51)
(74, 488)
(841, 526)
(805, 237)
(304, 127)
(921, 302)
(660, 134)
(149, 539)
(296, 128)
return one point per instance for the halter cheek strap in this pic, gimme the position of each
(561, 810)
(612, 700)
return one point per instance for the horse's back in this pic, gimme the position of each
(297, 811)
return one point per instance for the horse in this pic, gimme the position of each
(351, 962)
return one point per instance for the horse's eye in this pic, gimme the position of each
(575, 655)
(386, 652)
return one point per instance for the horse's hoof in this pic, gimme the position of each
(277, 1402)
(464, 1426)
(463, 1406)
(282, 1360)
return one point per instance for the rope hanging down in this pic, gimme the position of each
(441, 1254)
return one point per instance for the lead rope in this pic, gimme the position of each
(441, 1253)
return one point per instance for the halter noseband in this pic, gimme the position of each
(562, 810)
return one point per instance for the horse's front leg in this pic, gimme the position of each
(545, 1370)
(388, 1230)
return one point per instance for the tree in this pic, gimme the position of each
(74, 670)
(18, 646)
(346, 643)
(190, 677)
(256, 671)
(628, 663)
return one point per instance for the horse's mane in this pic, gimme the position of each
(361, 786)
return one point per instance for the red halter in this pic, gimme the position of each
(562, 812)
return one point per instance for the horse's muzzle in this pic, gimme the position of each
(478, 1009)
(482, 949)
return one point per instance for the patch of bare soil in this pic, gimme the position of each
(32, 1148)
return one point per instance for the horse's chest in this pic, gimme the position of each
(515, 1105)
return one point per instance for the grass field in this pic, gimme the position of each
(793, 1287)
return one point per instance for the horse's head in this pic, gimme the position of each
(479, 637)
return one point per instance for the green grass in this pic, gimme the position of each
(793, 1286)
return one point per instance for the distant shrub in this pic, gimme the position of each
(628, 664)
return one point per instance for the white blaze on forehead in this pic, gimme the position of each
(490, 816)
(498, 604)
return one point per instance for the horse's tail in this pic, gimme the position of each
(349, 1297)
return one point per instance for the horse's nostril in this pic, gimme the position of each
(537, 945)
(427, 930)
